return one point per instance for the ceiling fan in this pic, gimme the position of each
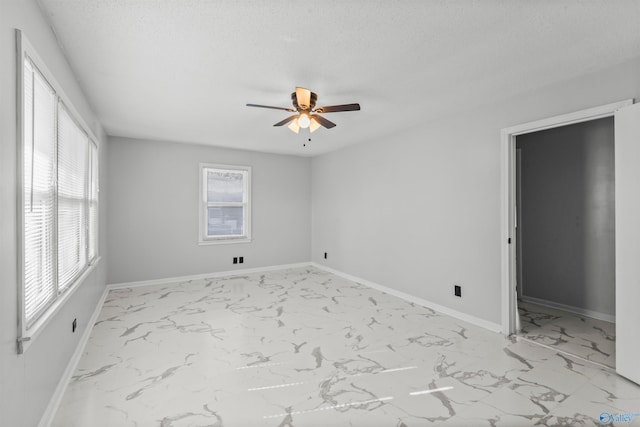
(304, 103)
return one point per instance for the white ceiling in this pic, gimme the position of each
(183, 70)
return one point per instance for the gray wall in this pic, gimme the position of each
(33, 376)
(420, 210)
(153, 214)
(568, 215)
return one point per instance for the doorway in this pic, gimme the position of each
(565, 242)
(509, 212)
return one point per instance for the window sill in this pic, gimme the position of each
(34, 331)
(223, 241)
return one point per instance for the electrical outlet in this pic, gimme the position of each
(325, 255)
(235, 259)
(241, 260)
(457, 290)
(74, 324)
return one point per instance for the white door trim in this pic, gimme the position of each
(627, 154)
(508, 195)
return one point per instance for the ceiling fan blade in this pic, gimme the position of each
(304, 98)
(287, 120)
(324, 122)
(269, 106)
(338, 108)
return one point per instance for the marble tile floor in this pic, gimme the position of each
(303, 347)
(585, 337)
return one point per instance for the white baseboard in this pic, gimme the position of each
(440, 308)
(167, 280)
(54, 402)
(571, 309)
(494, 327)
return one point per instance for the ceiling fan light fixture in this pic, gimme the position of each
(314, 125)
(294, 126)
(303, 121)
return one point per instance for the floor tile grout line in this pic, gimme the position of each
(600, 365)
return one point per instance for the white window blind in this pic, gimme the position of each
(38, 192)
(73, 176)
(59, 222)
(93, 202)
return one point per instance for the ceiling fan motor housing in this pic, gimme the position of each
(300, 108)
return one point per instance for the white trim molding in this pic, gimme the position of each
(494, 327)
(28, 329)
(54, 402)
(508, 196)
(204, 205)
(168, 280)
(44, 320)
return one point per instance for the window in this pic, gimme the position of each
(39, 198)
(73, 196)
(59, 198)
(225, 211)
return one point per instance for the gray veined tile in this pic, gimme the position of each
(303, 347)
(481, 414)
(536, 392)
(610, 390)
(508, 401)
(588, 338)
(604, 394)
(535, 316)
(580, 415)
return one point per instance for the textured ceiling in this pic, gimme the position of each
(183, 70)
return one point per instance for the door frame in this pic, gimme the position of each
(508, 220)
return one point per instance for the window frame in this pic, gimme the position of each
(203, 205)
(30, 329)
